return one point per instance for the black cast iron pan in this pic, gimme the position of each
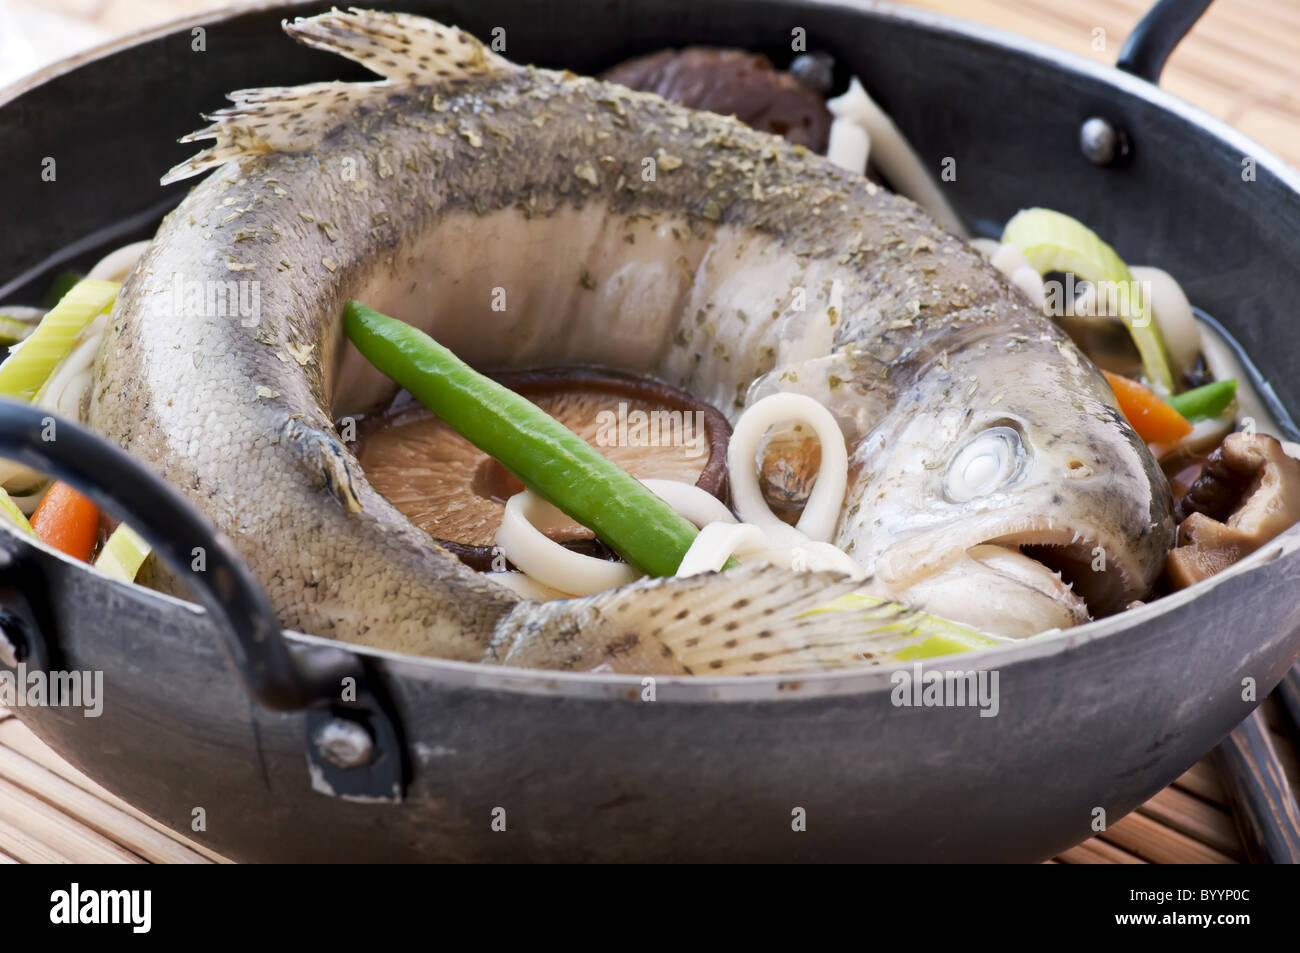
(1091, 721)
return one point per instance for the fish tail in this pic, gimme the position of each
(751, 620)
(407, 51)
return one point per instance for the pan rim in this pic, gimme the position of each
(744, 688)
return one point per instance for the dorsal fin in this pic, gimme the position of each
(408, 51)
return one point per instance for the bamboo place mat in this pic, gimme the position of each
(52, 813)
(1240, 63)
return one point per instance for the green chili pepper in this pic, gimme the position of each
(547, 457)
(1205, 403)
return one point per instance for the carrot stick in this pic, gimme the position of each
(1153, 419)
(67, 521)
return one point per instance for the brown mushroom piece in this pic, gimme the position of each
(732, 83)
(457, 493)
(1248, 493)
(788, 462)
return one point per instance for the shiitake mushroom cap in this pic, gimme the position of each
(408, 455)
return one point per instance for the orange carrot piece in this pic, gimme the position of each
(1153, 419)
(67, 521)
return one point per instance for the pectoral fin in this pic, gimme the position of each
(745, 621)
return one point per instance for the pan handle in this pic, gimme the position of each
(329, 682)
(1148, 47)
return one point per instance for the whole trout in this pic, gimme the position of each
(619, 230)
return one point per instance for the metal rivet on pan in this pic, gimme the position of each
(814, 70)
(343, 743)
(1100, 142)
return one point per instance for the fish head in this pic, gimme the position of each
(1006, 490)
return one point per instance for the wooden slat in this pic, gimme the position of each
(99, 815)
(1203, 781)
(1189, 815)
(26, 848)
(64, 834)
(1098, 851)
(1157, 844)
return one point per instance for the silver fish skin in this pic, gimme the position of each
(622, 231)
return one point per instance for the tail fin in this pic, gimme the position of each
(746, 621)
(408, 51)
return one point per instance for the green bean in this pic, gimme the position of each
(1204, 403)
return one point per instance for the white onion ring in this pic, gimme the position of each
(1172, 313)
(894, 156)
(541, 557)
(525, 585)
(849, 145)
(118, 263)
(717, 543)
(547, 564)
(1009, 259)
(822, 511)
(72, 377)
(812, 556)
(691, 502)
(1030, 282)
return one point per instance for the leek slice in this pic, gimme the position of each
(14, 329)
(123, 554)
(1055, 242)
(31, 362)
(10, 509)
(932, 635)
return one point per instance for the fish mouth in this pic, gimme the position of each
(1079, 559)
(1075, 553)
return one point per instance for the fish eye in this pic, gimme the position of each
(988, 462)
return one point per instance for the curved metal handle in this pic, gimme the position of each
(279, 679)
(354, 744)
(1148, 47)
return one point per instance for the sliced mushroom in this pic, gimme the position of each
(1183, 461)
(1248, 493)
(457, 494)
(733, 83)
(788, 463)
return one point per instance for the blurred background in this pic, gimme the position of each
(1241, 62)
